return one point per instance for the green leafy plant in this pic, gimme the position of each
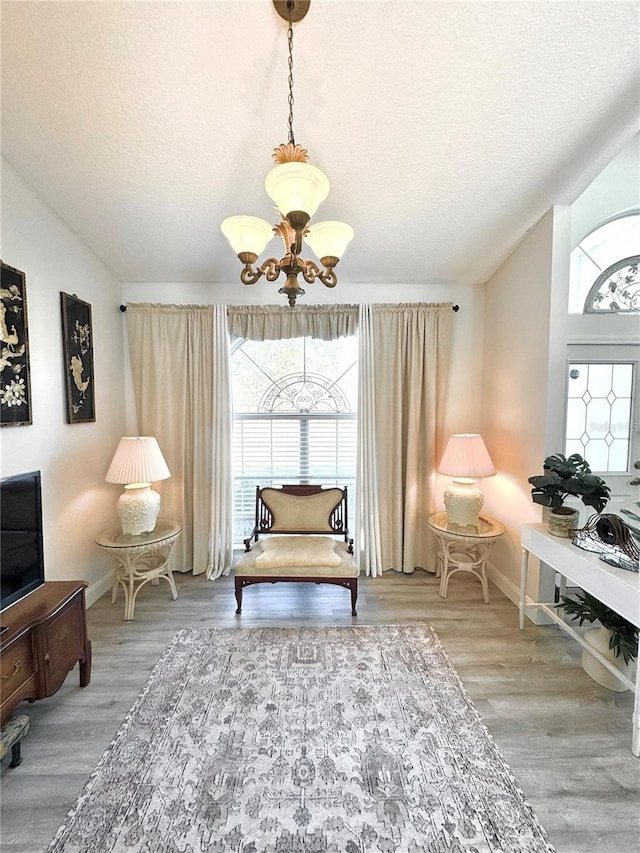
(586, 608)
(569, 476)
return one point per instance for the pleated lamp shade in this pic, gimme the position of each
(138, 462)
(138, 459)
(466, 455)
(466, 459)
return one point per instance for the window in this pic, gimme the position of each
(294, 418)
(604, 274)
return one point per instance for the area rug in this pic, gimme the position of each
(302, 740)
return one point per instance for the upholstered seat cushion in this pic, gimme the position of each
(281, 552)
(298, 556)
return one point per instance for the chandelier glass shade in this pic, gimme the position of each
(297, 188)
(329, 239)
(247, 233)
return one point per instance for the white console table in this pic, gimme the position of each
(617, 588)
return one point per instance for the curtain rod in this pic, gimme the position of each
(455, 308)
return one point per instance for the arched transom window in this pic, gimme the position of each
(604, 276)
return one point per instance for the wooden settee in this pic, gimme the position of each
(300, 526)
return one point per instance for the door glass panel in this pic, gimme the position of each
(599, 414)
(576, 422)
(599, 379)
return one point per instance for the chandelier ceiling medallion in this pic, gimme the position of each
(297, 188)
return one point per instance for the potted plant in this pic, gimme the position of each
(563, 477)
(616, 639)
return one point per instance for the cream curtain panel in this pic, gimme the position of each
(181, 378)
(276, 322)
(404, 362)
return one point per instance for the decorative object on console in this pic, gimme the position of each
(77, 345)
(564, 477)
(633, 517)
(297, 188)
(617, 639)
(15, 375)
(608, 536)
(466, 459)
(138, 462)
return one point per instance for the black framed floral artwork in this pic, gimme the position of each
(77, 346)
(15, 376)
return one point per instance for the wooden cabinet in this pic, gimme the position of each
(45, 636)
(19, 673)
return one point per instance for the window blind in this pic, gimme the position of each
(272, 448)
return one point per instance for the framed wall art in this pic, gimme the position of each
(77, 347)
(15, 376)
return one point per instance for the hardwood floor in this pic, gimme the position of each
(567, 740)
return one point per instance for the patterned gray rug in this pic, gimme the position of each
(302, 740)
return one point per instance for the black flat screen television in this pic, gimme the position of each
(21, 544)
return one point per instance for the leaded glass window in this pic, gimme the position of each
(616, 289)
(604, 268)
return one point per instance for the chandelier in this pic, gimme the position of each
(297, 188)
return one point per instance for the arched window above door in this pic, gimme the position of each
(604, 272)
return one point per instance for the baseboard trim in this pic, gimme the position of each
(512, 592)
(503, 583)
(97, 590)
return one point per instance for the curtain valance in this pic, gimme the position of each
(160, 308)
(277, 322)
(410, 308)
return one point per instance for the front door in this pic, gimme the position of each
(603, 418)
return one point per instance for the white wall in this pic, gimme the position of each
(524, 367)
(615, 189)
(73, 459)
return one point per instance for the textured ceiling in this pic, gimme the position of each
(446, 128)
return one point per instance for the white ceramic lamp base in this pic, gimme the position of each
(463, 501)
(138, 508)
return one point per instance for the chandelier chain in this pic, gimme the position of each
(290, 42)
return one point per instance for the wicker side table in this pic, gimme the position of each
(464, 549)
(140, 559)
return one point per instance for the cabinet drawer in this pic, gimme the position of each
(19, 673)
(63, 643)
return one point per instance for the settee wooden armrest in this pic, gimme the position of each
(307, 521)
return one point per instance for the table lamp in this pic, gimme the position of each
(466, 459)
(138, 462)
